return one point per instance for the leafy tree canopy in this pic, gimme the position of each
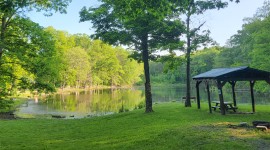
(117, 24)
(144, 25)
(19, 7)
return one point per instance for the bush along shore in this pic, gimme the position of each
(9, 106)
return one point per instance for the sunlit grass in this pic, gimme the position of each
(171, 126)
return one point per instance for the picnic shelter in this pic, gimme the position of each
(221, 76)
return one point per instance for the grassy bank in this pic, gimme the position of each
(171, 126)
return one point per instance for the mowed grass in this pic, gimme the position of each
(171, 126)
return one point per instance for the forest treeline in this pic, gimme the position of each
(249, 47)
(86, 63)
(63, 60)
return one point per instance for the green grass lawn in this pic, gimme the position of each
(171, 126)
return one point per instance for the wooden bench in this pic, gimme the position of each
(192, 99)
(215, 107)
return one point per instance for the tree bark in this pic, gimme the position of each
(187, 102)
(148, 94)
(2, 35)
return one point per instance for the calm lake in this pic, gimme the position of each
(107, 101)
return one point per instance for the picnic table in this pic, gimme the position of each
(192, 98)
(228, 106)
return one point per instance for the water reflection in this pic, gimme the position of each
(97, 101)
(86, 103)
(102, 102)
(36, 99)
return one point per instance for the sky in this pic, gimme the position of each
(222, 23)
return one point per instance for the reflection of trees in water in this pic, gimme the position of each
(119, 100)
(97, 101)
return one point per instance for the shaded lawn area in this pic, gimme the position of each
(171, 126)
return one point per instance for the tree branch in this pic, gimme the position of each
(198, 28)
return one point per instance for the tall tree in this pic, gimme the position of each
(27, 47)
(105, 65)
(63, 42)
(12, 9)
(143, 25)
(23, 42)
(78, 65)
(195, 37)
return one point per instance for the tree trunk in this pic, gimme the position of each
(148, 94)
(187, 102)
(2, 35)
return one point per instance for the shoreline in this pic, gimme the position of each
(7, 115)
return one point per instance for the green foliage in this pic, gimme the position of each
(204, 60)
(106, 65)
(24, 46)
(260, 53)
(83, 62)
(5, 105)
(23, 53)
(20, 7)
(44, 59)
(250, 46)
(130, 71)
(141, 105)
(124, 22)
(161, 75)
(143, 25)
(78, 66)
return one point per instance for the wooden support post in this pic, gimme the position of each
(233, 92)
(208, 96)
(252, 95)
(222, 106)
(198, 94)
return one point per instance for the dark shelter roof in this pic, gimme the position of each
(234, 74)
